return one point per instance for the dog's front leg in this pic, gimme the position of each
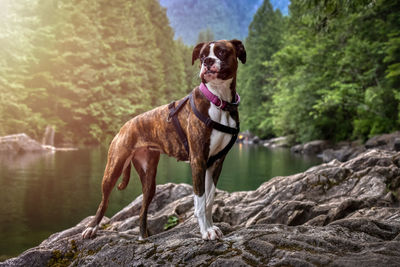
(212, 175)
(204, 194)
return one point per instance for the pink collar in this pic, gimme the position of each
(221, 104)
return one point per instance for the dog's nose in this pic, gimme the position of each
(209, 61)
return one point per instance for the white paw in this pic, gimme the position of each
(212, 233)
(89, 232)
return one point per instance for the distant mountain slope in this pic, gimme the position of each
(227, 19)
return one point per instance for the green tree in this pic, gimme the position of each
(264, 39)
(85, 67)
(332, 77)
(205, 36)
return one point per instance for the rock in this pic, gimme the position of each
(20, 143)
(296, 148)
(277, 142)
(344, 153)
(384, 141)
(314, 147)
(334, 214)
(396, 145)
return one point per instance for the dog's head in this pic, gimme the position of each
(219, 59)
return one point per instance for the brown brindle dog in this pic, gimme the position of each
(143, 138)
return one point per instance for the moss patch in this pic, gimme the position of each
(60, 259)
(4, 257)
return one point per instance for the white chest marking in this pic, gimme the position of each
(219, 140)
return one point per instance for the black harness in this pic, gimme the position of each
(207, 121)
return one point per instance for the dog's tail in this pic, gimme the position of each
(125, 178)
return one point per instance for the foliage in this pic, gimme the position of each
(172, 222)
(335, 76)
(85, 67)
(263, 41)
(330, 70)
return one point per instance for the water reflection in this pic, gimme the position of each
(24, 160)
(46, 193)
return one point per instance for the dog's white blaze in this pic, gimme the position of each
(212, 55)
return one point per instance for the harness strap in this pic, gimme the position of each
(209, 122)
(223, 152)
(230, 106)
(219, 127)
(173, 115)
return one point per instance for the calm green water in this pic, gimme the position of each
(43, 194)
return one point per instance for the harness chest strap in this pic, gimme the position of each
(207, 121)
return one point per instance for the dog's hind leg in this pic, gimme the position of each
(118, 158)
(145, 162)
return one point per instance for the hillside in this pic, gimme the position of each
(227, 20)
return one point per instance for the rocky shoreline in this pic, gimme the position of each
(21, 143)
(326, 149)
(334, 214)
(344, 151)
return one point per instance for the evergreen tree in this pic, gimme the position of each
(85, 67)
(332, 76)
(172, 65)
(263, 41)
(17, 26)
(205, 36)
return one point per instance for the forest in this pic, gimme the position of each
(86, 67)
(328, 70)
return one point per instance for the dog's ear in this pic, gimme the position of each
(240, 51)
(196, 52)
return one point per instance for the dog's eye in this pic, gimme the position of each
(203, 57)
(221, 53)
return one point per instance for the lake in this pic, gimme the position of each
(45, 193)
